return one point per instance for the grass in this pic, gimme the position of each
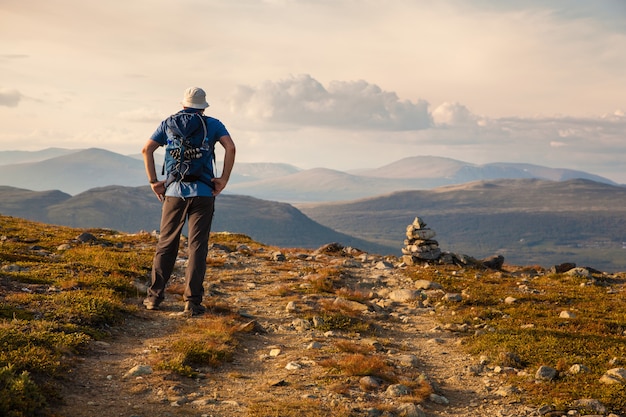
(53, 302)
(204, 343)
(531, 331)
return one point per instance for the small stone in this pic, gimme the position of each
(410, 361)
(493, 262)
(301, 324)
(614, 376)
(545, 373)
(402, 296)
(278, 257)
(397, 390)
(579, 272)
(578, 369)
(370, 383)
(439, 399)
(424, 284)
(567, 315)
(592, 404)
(383, 265)
(138, 370)
(86, 237)
(453, 297)
(410, 410)
(293, 366)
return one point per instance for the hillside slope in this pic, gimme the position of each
(528, 221)
(131, 209)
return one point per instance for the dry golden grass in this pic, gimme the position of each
(530, 333)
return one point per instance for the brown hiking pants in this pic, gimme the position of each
(198, 211)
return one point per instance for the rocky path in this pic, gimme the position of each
(281, 360)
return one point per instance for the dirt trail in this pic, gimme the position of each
(97, 387)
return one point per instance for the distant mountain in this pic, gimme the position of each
(458, 172)
(527, 220)
(324, 185)
(320, 184)
(131, 209)
(18, 157)
(77, 171)
(426, 167)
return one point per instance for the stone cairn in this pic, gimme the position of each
(419, 245)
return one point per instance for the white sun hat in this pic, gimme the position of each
(195, 98)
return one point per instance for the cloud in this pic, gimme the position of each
(10, 98)
(301, 100)
(452, 114)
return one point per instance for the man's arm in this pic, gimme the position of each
(158, 187)
(229, 161)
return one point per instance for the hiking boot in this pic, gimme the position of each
(151, 303)
(194, 309)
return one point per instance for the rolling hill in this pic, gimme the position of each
(527, 221)
(131, 209)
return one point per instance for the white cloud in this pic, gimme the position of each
(448, 114)
(303, 101)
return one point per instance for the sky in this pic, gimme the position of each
(339, 84)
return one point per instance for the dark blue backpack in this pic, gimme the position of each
(189, 154)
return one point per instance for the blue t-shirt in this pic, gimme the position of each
(215, 130)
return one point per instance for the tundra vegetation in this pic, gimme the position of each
(55, 301)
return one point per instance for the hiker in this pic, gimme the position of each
(188, 194)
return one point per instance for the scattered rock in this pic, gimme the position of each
(562, 268)
(410, 410)
(579, 272)
(545, 373)
(578, 369)
(138, 370)
(86, 238)
(614, 376)
(370, 383)
(422, 284)
(510, 300)
(493, 262)
(402, 295)
(293, 366)
(397, 390)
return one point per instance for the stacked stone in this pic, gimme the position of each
(419, 244)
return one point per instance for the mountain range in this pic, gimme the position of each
(528, 221)
(530, 214)
(76, 171)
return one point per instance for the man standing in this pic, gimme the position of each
(188, 194)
